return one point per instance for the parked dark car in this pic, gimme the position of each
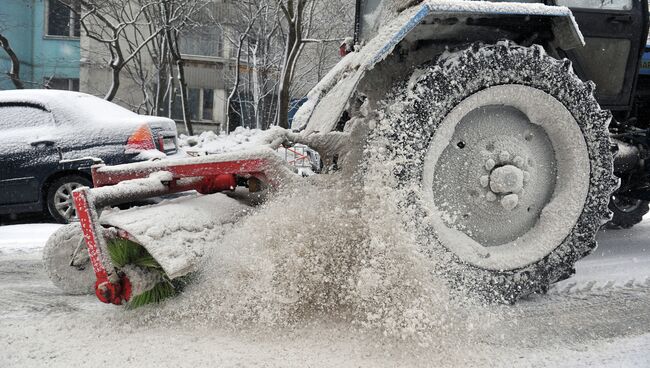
(50, 139)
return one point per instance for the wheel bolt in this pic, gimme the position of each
(504, 156)
(490, 164)
(510, 201)
(520, 162)
(485, 181)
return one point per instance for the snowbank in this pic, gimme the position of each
(211, 143)
(28, 238)
(243, 139)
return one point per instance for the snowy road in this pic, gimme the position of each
(600, 317)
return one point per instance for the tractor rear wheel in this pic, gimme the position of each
(627, 212)
(505, 156)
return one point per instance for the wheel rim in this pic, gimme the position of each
(63, 201)
(522, 166)
(625, 204)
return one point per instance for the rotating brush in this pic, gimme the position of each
(149, 282)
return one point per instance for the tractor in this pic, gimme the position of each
(508, 126)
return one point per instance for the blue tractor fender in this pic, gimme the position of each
(327, 101)
(645, 61)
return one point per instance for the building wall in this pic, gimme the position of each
(204, 74)
(41, 56)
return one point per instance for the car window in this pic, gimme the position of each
(14, 116)
(597, 4)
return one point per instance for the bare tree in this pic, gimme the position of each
(250, 13)
(110, 23)
(327, 24)
(309, 22)
(293, 16)
(14, 72)
(141, 39)
(278, 58)
(171, 38)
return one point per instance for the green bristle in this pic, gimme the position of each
(125, 252)
(160, 292)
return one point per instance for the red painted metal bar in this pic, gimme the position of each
(301, 157)
(184, 170)
(90, 235)
(109, 288)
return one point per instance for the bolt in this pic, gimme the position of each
(485, 181)
(520, 162)
(506, 179)
(504, 156)
(510, 201)
(490, 164)
(490, 197)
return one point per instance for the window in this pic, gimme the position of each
(194, 101)
(65, 84)
(208, 104)
(61, 21)
(604, 60)
(597, 4)
(200, 102)
(16, 116)
(202, 41)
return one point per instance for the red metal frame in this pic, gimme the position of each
(301, 157)
(210, 176)
(114, 175)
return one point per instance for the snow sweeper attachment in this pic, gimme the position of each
(139, 255)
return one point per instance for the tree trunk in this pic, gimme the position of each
(115, 84)
(162, 80)
(14, 73)
(285, 80)
(235, 86)
(180, 67)
(294, 46)
(175, 55)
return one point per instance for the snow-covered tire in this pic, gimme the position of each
(627, 212)
(59, 250)
(509, 264)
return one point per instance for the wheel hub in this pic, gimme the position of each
(505, 182)
(63, 200)
(506, 176)
(491, 188)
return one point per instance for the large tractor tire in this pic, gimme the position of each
(67, 262)
(503, 156)
(627, 212)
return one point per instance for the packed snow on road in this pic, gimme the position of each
(306, 280)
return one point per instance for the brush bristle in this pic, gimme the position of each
(125, 252)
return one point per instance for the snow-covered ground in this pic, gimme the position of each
(29, 239)
(598, 318)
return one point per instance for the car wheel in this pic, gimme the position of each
(60, 204)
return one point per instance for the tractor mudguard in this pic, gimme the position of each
(327, 101)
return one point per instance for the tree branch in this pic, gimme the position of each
(14, 73)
